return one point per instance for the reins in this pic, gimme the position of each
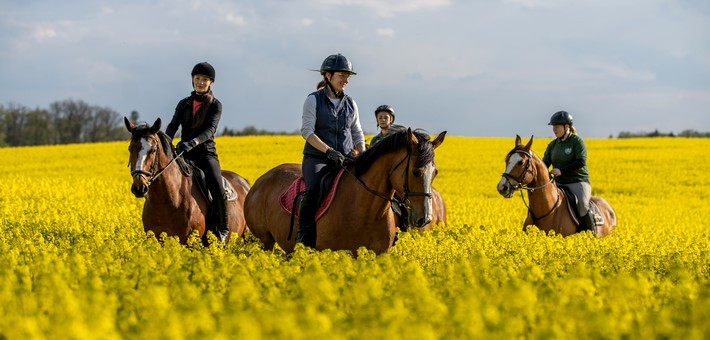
(405, 201)
(520, 186)
(153, 175)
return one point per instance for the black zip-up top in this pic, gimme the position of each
(197, 128)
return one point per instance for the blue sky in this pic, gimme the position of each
(474, 68)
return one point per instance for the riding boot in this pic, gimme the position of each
(306, 233)
(586, 222)
(222, 227)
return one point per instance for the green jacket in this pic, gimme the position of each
(570, 156)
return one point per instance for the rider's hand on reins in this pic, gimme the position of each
(335, 156)
(555, 172)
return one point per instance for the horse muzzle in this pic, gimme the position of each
(139, 190)
(505, 189)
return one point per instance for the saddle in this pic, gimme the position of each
(572, 206)
(290, 198)
(198, 176)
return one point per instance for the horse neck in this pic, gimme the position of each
(377, 178)
(542, 200)
(167, 186)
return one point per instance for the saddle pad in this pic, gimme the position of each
(229, 190)
(572, 207)
(298, 186)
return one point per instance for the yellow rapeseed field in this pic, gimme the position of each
(75, 262)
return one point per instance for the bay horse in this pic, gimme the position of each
(548, 205)
(438, 212)
(174, 203)
(360, 213)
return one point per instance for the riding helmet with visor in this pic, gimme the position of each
(386, 108)
(560, 118)
(336, 63)
(204, 69)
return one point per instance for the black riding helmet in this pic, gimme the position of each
(336, 63)
(204, 69)
(385, 108)
(560, 118)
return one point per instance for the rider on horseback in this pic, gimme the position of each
(199, 115)
(384, 114)
(331, 128)
(568, 156)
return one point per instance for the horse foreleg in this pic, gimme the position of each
(528, 221)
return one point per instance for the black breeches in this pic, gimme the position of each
(209, 164)
(313, 169)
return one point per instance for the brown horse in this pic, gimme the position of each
(438, 209)
(360, 214)
(548, 205)
(174, 204)
(438, 212)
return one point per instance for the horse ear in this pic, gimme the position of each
(411, 138)
(518, 141)
(156, 126)
(439, 139)
(129, 125)
(527, 146)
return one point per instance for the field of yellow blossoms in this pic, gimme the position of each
(75, 262)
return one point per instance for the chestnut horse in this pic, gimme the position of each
(174, 204)
(548, 205)
(360, 213)
(438, 209)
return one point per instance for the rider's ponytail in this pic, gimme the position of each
(573, 129)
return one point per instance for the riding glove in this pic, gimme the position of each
(335, 156)
(186, 146)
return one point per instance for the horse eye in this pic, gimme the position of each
(520, 162)
(417, 173)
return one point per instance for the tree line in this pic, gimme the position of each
(75, 121)
(66, 121)
(656, 133)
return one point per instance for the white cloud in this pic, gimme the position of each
(389, 8)
(42, 33)
(106, 10)
(306, 22)
(386, 32)
(235, 20)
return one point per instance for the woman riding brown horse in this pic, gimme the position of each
(548, 205)
(360, 214)
(173, 202)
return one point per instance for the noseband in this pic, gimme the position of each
(522, 186)
(519, 181)
(152, 175)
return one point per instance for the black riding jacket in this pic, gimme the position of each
(204, 133)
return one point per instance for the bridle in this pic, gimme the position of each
(407, 193)
(522, 186)
(152, 174)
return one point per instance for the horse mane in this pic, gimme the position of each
(395, 142)
(165, 142)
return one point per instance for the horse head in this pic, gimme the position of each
(412, 174)
(144, 156)
(519, 169)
